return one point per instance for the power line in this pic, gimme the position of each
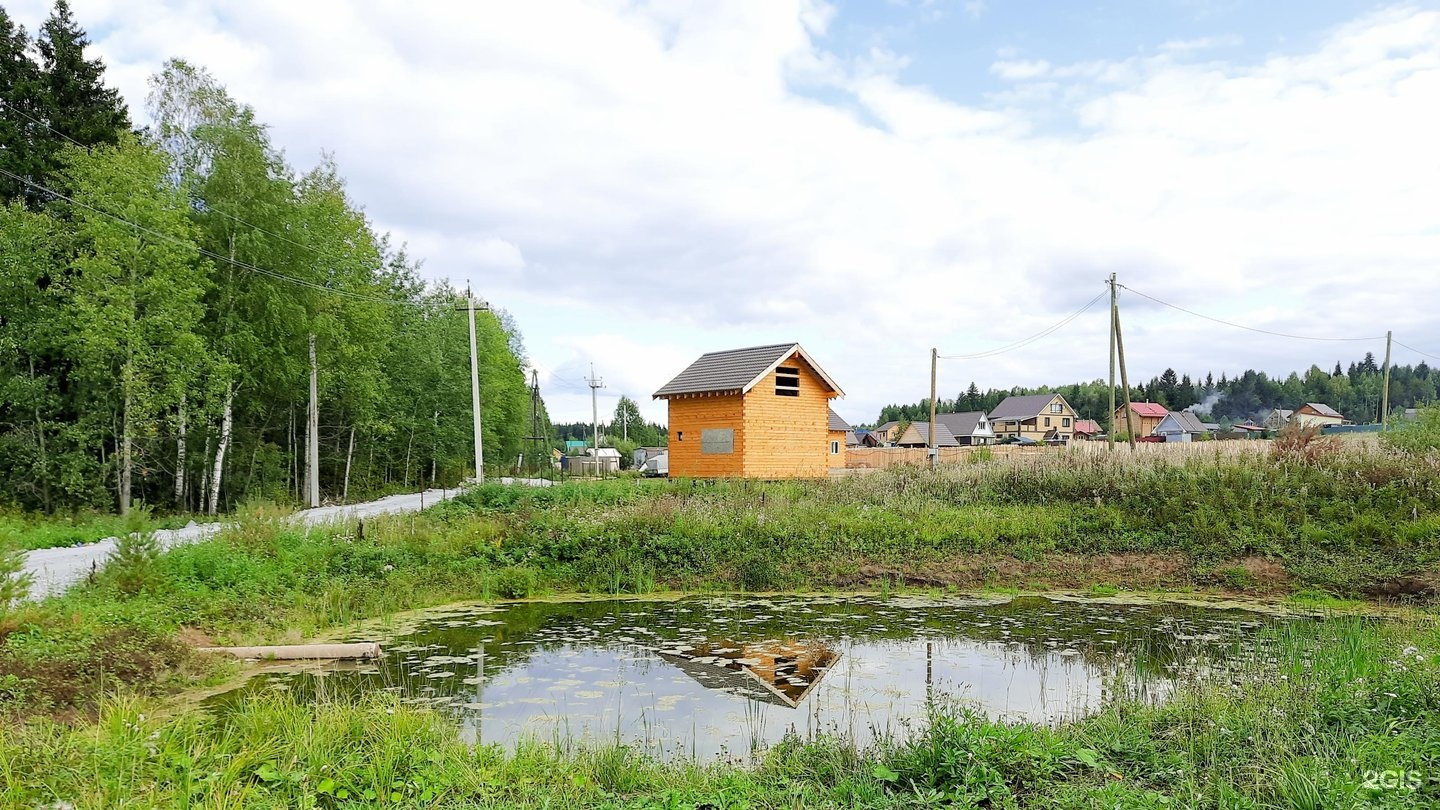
(1251, 328)
(1417, 351)
(211, 254)
(1020, 344)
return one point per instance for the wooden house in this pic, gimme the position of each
(840, 438)
(886, 433)
(1039, 418)
(917, 434)
(1088, 429)
(1146, 416)
(1313, 414)
(761, 412)
(1277, 419)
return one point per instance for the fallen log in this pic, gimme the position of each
(300, 652)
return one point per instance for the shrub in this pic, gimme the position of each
(14, 582)
(1418, 435)
(131, 566)
(1305, 445)
(516, 582)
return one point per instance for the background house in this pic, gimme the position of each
(760, 412)
(1145, 415)
(1038, 417)
(968, 427)
(1277, 419)
(1180, 426)
(1088, 429)
(917, 434)
(886, 433)
(1316, 414)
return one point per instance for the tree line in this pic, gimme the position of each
(163, 292)
(1355, 391)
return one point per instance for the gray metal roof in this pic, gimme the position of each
(1324, 410)
(1185, 421)
(961, 424)
(736, 370)
(836, 423)
(943, 436)
(1021, 407)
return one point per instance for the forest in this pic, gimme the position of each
(1354, 391)
(165, 289)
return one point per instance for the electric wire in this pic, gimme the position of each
(1250, 328)
(1020, 344)
(1417, 351)
(201, 203)
(209, 253)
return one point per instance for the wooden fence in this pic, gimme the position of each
(884, 458)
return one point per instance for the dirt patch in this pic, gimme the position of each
(1266, 574)
(192, 637)
(1423, 586)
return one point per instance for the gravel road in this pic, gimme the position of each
(55, 569)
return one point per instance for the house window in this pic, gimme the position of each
(1065, 422)
(679, 435)
(787, 381)
(1055, 407)
(1047, 421)
(717, 441)
(834, 448)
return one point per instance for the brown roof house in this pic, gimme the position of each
(761, 412)
(1146, 417)
(1039, 417)
(1313, 414)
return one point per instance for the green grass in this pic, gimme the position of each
(26, 532)
(1343, 529)
(1341, 699)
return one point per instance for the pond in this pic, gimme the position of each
(708, 677)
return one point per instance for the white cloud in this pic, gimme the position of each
(642, 182)
(1019, 69)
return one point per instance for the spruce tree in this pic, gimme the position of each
(77, 104)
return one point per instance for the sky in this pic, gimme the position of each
(642, 182)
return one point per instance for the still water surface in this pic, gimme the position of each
(726, 676)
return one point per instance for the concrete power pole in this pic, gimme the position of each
(1385, 395)
(1110, 431)
(934, 449)
(595, 384)
(475, 390)
(312, 434)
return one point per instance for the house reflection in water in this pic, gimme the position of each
(780, 673)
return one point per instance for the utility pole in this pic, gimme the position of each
(595, 384)
(1110, 431)
(934, 448)
(475, 386)
(1120, 353)
(535, 438)
(312, 434)
(1385, 395)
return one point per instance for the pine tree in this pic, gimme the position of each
(76, 101)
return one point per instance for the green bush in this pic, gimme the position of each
(1418, 435)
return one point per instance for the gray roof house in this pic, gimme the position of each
(1277, 419)
(968, 428)
(917, 434)
(1180, 426)
(1038, 417)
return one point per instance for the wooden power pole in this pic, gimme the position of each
(475, 388)
(934, 448)
(1120, 353)
(1110, 429)
(312, 434)
(1385, 392)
